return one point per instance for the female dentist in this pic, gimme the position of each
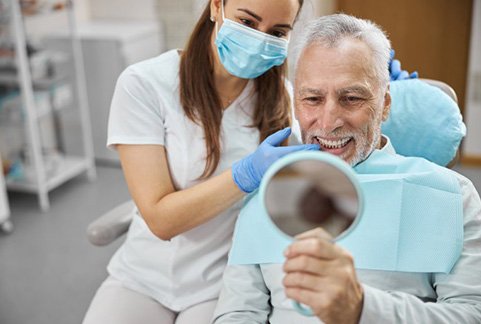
(187, 126)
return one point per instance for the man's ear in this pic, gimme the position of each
(387, 104)
(215, 10)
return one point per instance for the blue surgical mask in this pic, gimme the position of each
(247, 53)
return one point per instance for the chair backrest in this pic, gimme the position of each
(446, 88)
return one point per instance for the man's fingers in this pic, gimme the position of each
(307, 264)
(302, 280)
(307, 297)
(318, 232)
(315, 247)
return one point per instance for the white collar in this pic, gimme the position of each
(387, 147)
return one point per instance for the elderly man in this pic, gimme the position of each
(341, 98)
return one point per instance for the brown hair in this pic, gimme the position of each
(202, 104)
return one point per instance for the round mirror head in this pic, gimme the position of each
(308, 193)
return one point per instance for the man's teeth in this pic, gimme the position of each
(333, 144)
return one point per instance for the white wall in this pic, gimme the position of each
(42, 24)
(145, 10)
(82, 9)
(178, 18)
(124, 9)
(310, 10)
(472, 142)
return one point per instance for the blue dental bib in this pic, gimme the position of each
(412, 220)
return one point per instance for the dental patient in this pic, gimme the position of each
(418, 259)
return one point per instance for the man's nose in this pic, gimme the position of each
(330, 117)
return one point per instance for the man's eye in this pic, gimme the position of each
(311, 100)
(351, 100)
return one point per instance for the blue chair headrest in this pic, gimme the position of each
(424, 122)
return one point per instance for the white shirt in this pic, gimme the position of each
(255, 294)
(146, 110)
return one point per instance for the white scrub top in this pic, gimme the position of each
(146, 109)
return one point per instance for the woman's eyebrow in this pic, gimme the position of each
(259, 18)
(247, 11)
(284, 26)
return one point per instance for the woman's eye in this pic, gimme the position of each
(247, 22)
(278, 33)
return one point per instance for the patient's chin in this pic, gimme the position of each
(347, 153)
(352, 157)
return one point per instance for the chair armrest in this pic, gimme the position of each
(111, 225)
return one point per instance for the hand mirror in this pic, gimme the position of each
(306, 190)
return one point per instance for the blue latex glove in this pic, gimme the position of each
(395, 71)
(248, 172)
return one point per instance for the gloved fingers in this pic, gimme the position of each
(395, 69)
(294, 148)
(278, 137)
(403, 75)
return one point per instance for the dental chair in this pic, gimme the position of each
(441, 113)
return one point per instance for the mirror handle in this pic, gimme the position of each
(302, 309)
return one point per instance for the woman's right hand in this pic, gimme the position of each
(395, 71)
(248, 172)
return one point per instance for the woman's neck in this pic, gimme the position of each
(228, 87)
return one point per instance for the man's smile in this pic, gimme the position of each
(335, 146)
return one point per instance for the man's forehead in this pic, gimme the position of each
(348, 54)
(347, 67)
(348, 48)
(358, 88)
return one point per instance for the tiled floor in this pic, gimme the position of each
(48, 270)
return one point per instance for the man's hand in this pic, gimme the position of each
(321, 275)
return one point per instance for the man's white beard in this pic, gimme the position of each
(362, 154)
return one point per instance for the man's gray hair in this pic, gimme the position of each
(330, 30)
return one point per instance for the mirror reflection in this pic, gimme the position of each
(311, 193)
